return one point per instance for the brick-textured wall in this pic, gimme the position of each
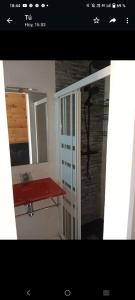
(68, 72)
(91, 184)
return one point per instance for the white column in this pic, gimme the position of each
(7, 215)
(120, 174)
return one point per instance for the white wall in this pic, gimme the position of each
(133, 223)
(104, 148)
(120, 170)
(133, 191)
(7, 219)
(39, 75)
(43, 224)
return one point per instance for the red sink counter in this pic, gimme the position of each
(36, 190)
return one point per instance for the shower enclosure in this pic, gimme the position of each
(82, 111)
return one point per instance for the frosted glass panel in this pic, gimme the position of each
(68, 115)
(65, 116)
(68, 162)
(62, 121)
(73, 114)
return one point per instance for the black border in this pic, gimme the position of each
(67, 45)
(48, 267)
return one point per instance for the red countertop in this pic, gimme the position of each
(36, 190)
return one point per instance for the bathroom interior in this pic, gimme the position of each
(57, 150)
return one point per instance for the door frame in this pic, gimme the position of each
(74, 212)
(83, 82)
(29, 127)
(36, 103)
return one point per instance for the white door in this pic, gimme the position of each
(69, 162)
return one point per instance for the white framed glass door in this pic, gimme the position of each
(69, 156)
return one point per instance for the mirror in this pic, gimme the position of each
(27, 126)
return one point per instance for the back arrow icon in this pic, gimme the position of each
(9, 20)
(28, 292)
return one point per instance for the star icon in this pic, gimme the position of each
(96, 20)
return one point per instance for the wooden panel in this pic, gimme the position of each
(18, 135)
(17, 118)
(17, 122)
(13, 99)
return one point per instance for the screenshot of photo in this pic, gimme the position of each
(67, 148)
(67, 151)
